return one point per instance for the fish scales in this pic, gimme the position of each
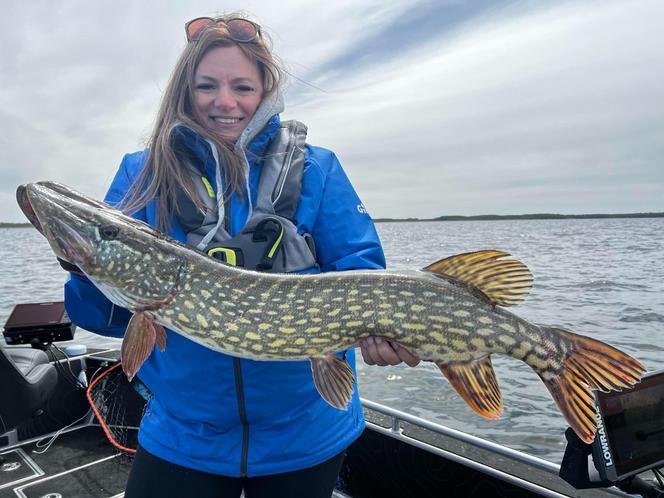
(217, 311)
(326, 315)
(452, 312)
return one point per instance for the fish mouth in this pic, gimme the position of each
(49, 213)
(24, 203)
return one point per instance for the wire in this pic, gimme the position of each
(67, 375)
(68, 358)
(49, 442)
(101, 367)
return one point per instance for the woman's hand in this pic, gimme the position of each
(380, 351)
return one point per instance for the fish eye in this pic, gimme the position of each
(108, 232)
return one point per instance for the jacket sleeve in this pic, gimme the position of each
(86, 306)
(344, 233)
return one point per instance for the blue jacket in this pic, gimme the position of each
(231, 416)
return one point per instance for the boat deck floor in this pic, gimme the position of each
(79, 464)
(82, 464)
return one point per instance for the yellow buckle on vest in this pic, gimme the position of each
(229, 254)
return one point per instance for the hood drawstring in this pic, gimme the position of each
(221, 209)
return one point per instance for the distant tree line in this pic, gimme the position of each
(537, 216)
(15, 225)
(481, 217)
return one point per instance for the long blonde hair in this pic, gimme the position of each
(164, 175)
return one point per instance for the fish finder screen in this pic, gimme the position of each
(634, 425)
(35, 314)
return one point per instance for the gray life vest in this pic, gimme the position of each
(269, 240)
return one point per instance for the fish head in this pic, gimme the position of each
(135, 266)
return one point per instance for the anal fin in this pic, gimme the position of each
(333, 379)
(476, 383)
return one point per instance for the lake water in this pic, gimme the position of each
(601, 278)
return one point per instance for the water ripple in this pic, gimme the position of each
(591, 277)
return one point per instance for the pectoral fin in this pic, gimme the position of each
(138, 342)
(160, 336)
(476, 383)
(334, 380)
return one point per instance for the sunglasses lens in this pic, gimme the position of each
(195, 27)
(241, 30)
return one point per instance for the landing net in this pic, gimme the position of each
(118, 405)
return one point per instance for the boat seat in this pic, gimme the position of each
(26, 381)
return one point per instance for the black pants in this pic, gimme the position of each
(151, 476)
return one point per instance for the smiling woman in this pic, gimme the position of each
(224, 73)
(224, 175)
(227, 91)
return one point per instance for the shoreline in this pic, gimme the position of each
(538, 216)
(481, 217)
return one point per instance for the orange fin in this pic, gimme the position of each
(476, 383)
(138, 342)
(333, 379)
(160, 336)
(504, 282)
(589, 364)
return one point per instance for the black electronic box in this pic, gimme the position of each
(630, 432)
(47, 322)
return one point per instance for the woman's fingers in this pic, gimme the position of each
(370, 351)
(379, 351)
(412, 360)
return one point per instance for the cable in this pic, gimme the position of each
(78, 381)
(67, 375)
(47, 445)
(52, 439)
(101, 367)
(67, 357)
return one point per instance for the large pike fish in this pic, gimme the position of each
(451, 312)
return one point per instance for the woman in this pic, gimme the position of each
(215, 424)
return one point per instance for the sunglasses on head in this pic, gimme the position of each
(239, 30)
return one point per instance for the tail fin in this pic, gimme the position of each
(589, 364)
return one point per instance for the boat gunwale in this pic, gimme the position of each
(395, 431)
(397, 416)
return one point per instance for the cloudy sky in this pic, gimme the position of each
(434, 107)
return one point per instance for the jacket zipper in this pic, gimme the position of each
(237, 370)
(239, 389)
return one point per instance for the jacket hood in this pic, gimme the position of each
(270, 106)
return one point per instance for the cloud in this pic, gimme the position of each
(568, 96)
(433, 107)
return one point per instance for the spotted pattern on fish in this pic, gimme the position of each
(452, 313)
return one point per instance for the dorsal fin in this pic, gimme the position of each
(504, 282)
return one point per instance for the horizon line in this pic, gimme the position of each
(480, 217)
